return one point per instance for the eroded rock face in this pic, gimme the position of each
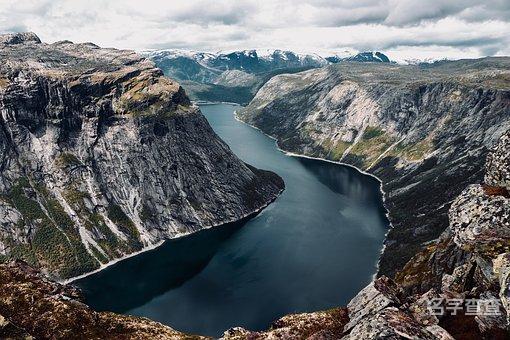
(498, 164)
(479, 229)
(481, 222)
(423, 130)
(102, 156)
(378, 295)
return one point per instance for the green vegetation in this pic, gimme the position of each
(110, 243)
(334, 150)
(125, 225)
(145, 214)
(372, 132)
(29, 208)
(55, 242)
(371, 145)
(413, 152)
(75, 197)
(21, 251)
(66, 159)
(98, 255)
(93, 220)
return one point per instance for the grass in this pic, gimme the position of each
(334, 150)
(372, 144)
(413, 152)
(372, 132)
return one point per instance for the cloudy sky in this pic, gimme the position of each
(401, 28)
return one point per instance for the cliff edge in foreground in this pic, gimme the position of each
(102, 156)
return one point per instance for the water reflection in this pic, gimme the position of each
(134, 281)
(312, 249)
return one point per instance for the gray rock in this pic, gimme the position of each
(502, 270)
(103, 156)
(423, 130)
(393, 323)
(481, 223)
(378, 295)
(498, 164)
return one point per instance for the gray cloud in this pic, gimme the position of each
(452, 27)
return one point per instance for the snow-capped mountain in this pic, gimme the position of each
(237, 75)
(250, 61)
(373, 57)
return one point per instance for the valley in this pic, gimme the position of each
(253, 272)
(346, 195)
(424, 130)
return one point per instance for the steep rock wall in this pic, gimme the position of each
(423, 130)
(101, 156)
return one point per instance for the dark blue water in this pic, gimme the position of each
(312, 249)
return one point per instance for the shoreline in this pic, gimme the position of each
(154, 246)
(253, 213)
(381, 189)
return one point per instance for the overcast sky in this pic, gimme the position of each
(401, 28)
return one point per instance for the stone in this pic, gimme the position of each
(379, 294)
(481, 223)
(103, 156)
(498, 164)
(390, 323)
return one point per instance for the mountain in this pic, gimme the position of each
(236, 76)
(363, 57)
(459, 268)
(102, 157)
(469, 265)
(183, 65)
(423, 130)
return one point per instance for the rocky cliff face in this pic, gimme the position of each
(423, 130)
(101, 156)
(469, 263)
(456, 288)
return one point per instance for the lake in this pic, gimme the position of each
(314, 248)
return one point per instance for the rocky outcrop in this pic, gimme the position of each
(102, 156)
(458, 287)
(479, 229)
(317, 325)
(33, 307)
(423, 130)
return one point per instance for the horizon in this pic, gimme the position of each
(401, 29)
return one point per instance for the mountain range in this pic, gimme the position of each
(236, 76)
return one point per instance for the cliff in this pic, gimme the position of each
(466, 271)
(469, 263)
(102, 156)
(423, 130)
